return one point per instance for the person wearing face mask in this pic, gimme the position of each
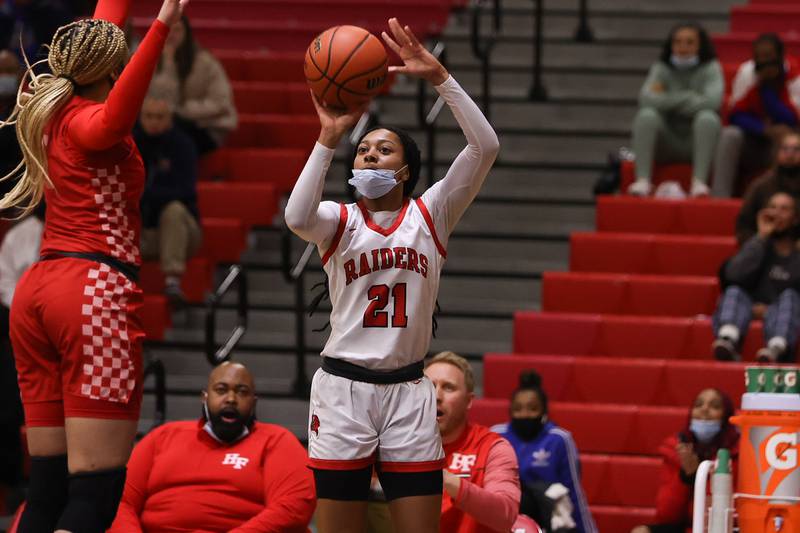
(764, 106)
(785, 176)
(170, 219)
(223, 473)
(383, 256)
(761, 281)
(678, 118)
(549, 469)
(708, 429)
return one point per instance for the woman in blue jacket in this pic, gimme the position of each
(547, 456)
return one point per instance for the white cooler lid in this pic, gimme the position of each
(770, 401)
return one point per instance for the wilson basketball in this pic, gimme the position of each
(346, 66)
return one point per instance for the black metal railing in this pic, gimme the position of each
(361, 126)
(584, 33)
(538, 92)
(296, 275)
(155, 368)
(216, 353)
(482, 47)
(427, 117)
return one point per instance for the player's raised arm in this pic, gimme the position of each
(449, 198)
(308, 217)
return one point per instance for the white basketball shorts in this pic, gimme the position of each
(353, 424)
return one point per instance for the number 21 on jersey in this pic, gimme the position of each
(379, 296)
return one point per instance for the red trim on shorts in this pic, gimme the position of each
(419, 466)
(429, 221)
(334, 464)
(376, 228)
(338, 235)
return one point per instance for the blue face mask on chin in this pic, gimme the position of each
(683, 63)
(705, 430)
(373, 183)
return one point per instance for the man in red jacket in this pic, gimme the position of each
(225, 472)
(481, 478)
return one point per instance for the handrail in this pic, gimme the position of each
(538, 92)
(156, 368)
(427, 119)
(358, 131)
(296, 275)
(584, 34)
(216, 355)
(483, 49)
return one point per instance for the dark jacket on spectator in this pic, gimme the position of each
(755, 105)
(171, 168)
(757, 196)
(36, 22)
(759, 270)
(10, 154)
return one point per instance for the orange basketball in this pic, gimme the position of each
(346, 66)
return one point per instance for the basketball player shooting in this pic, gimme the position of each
(75, 319)
(370, 402)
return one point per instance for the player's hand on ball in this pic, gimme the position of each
(335, 123)
(417, 61)
(171, 11)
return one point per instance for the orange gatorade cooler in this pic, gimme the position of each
(768, 496)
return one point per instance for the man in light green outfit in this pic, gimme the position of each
(678, 119)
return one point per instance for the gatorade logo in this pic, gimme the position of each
(781, 451)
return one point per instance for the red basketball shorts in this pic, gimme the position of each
(77, 339)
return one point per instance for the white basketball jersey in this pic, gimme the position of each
(383, 287)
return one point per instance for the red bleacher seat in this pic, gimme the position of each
(597, 427)
(622, 335)
(273, 97)
(649, 254)
(765, 18)
(579, 292)
(262, 66)
(224, 239)
(425, 16)
(275, 131)
(255, 204)
(155, 316)
(647, 215)
(195, 283)
(617, 519)
(620, 480)
(738, 47)
(277, 166)
(653, 382)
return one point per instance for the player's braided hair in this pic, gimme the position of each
(80, 53)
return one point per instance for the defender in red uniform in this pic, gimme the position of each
(75, 327)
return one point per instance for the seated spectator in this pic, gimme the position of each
(170, 222)
(707, 430)
(225, 472)
(764, 106)
(678, 118)
(481, 483)
(785, 177)
(549, 470)
(20, 249)
(31, 23)
(10, 154)
(761, 282)
(205, 108)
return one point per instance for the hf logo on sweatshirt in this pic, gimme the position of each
(462, 463)
(237, 461)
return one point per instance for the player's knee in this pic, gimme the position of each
(93, 500)
(343, 485)
(405, 484)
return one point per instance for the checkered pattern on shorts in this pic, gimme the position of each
(108, 370)
(110, 196)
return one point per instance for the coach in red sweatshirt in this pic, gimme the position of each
(225, 472)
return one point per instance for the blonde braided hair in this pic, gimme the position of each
(80, 53)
